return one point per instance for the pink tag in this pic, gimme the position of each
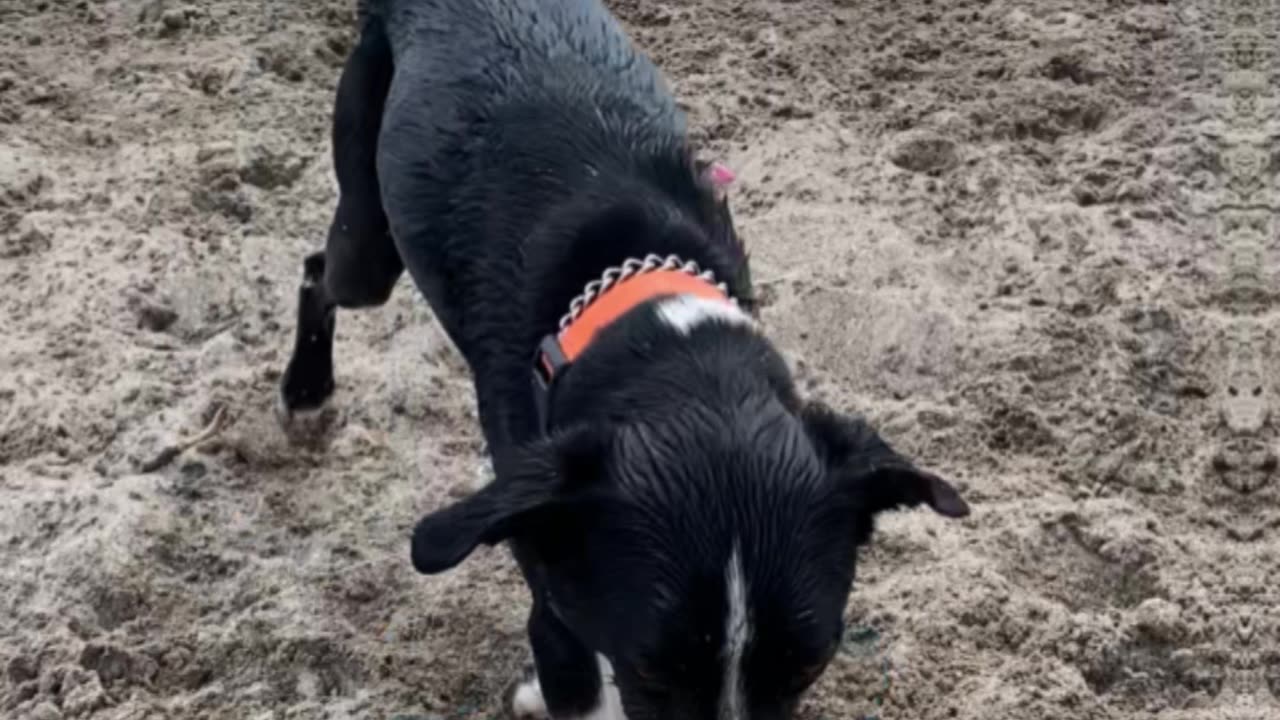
(720, 175)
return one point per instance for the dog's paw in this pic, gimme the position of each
(527, 703)
(482, 475)
(524, 698)
(307, 384)
(303, 424)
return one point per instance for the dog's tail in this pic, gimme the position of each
(371, 20)
(372, 60)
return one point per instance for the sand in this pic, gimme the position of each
(1034, 241)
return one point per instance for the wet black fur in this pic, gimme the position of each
(506, 152)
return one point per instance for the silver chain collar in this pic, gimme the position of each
(632, 267)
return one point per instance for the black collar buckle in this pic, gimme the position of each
(548, 362)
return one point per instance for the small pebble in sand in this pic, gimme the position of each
(156, 317)
(924, 153)
(1160, 619)
(219, 148)
(21, 669)
(174, 19)
(45, 711)
(30, 238)
(268, 167)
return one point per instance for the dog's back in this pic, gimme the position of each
(507, 122)
(500, 101)
(488, 52)
(505, 153)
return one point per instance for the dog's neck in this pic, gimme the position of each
(675, 351)
(668, 208)
(671, 365)
(684, 298)
(664, 207)
(671, 223)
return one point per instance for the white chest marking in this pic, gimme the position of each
(737, 633)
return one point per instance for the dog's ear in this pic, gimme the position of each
(717, 178)
(872, 475)
(548, 473)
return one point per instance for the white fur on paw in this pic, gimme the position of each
(299, 417)
(610, 707)
(484, 474)
(527, 703)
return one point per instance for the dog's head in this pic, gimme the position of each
(709, 561)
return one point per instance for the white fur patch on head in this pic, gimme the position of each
(685, 312)
(737, 632)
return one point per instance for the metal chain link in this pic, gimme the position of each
(629, 269)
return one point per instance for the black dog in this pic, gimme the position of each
(687, 524)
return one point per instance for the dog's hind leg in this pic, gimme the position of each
(359, 266)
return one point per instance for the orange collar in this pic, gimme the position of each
(558, 350)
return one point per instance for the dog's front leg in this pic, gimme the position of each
(570, 682)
